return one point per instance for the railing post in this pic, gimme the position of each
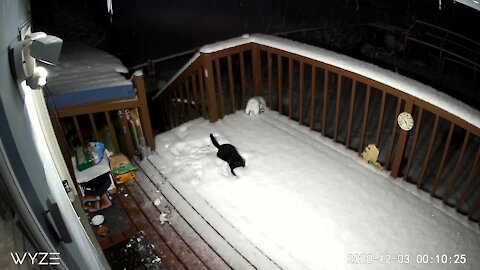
(127, 135)
(62, 143)
(402, 142)
(210, 86)
(139, 84)
(256, 70)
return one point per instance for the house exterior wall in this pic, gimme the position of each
(16, 142)
(24, 183)
(13, 14)
(14, 129)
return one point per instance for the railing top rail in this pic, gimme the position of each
(179, 72)
(381, 75)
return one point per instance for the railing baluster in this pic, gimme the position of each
(210, 88)
(301, 93)
(162, 112)
(244, 83)
(188, 104)
(181, 103)
(429, 151)
(257, 71)
(62, 142)
(195, 93)
(473, 208)
(350, 115)
(77, 129)
(139, 83)
(176, 107)
(325, 101)
(280, 82)
(112, 132)
(418, 124)
(402, 140)
(202, 92)
(220, 87)
(231, 84)
(169, 111)
(444, 156)
(380, 118)
(337, 107)
(94, 126)
(127, 134)
(270, 80)
(394, 133)
(312, 109)
(365, 120)
(290, 87)
(177, 115)
(453, 177)
(469, 183)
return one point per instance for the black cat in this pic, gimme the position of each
(229, 153)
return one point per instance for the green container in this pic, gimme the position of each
(83, 159)
(124, 168)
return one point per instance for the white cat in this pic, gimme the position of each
(255, 105)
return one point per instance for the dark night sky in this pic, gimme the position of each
(149, 29)
(145, 29)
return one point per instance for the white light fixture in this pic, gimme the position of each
(23, 55)
(39, 78)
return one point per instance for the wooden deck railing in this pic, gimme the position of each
(103, 113)
(440, 154)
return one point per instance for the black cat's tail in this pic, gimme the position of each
(214, 141)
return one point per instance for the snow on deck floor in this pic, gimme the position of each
(303, 201)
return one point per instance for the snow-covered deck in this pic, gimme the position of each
(302, 202)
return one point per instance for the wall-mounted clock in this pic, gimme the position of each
(405, 121)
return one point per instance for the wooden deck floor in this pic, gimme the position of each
(175, 241)
(180, 241)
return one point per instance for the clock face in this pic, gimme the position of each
(405, 121)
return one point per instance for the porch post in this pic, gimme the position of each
(57, 128)
(402, 142)
(257, 71)
(139, 84)
(210, 86)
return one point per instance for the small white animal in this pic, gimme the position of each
(255, 105)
